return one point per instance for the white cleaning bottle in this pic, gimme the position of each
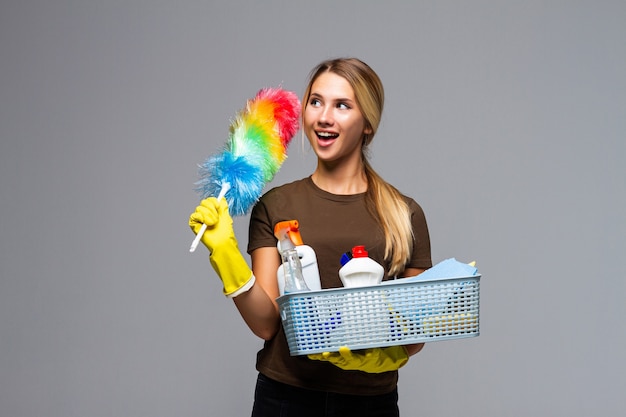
(361, 270)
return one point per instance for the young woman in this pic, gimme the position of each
(344, 203)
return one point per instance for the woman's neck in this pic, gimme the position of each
(340, 181)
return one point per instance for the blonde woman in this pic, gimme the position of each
(343, 203)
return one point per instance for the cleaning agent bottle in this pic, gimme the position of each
(288, 236)
(360, 270)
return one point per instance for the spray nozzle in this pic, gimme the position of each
(288, 234)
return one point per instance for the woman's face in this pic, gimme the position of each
(332, 120)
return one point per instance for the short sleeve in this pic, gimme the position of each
(260, 230)
(421, 257)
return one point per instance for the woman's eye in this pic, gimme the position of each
(343, 106)
(314, 102)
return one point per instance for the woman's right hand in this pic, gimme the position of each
(214, 214)
(219, 238)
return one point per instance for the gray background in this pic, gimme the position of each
(505, 120)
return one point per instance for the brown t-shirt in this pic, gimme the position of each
(331, 224)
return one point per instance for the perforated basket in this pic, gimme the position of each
(392, 313)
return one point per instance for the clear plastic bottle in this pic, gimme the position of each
(310, 271)
(292, 267)
(294, 280)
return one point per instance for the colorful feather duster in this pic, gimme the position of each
(255, 150)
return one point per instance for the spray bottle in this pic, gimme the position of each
(288, 235)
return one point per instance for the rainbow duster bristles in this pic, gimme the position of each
(255, 150)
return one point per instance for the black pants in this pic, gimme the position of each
(275, 399)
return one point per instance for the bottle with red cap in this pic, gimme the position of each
(361, 270)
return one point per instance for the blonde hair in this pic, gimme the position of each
(383, 200)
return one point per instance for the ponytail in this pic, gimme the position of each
(388, 206)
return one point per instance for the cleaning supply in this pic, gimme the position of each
(310, 270)
(448, 268)
(361, 270)
(289, 239)
(308, 259)
(256, 148)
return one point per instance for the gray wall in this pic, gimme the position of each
(506, 120)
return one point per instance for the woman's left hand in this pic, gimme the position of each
(372, 360)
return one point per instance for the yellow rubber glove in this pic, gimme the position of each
(219, 238)
(372, 360)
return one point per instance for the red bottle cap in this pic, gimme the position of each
(359, 252)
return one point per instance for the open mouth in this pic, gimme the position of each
(326, 137)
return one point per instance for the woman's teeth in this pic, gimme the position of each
(327, 135)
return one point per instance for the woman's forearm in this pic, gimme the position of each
(258, 311)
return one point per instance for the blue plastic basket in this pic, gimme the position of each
(389, 314)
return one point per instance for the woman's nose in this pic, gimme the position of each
(326, 117)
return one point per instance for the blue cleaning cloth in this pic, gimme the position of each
(450, 268)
